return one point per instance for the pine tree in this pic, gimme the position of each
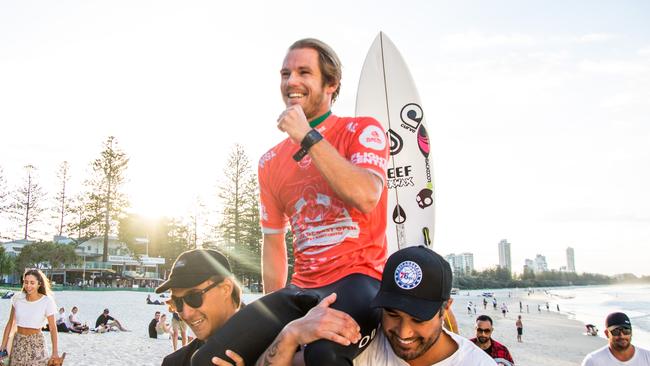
(105, 200)
(27, 206)
(63, 199)
(239, 227)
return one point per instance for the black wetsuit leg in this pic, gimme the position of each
(252, 329)
(353, 296)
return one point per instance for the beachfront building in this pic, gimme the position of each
(570, 260)
(504, 255)
(461, 264)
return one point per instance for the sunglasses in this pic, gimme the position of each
(481, 330)
(193, 299)
(618, 331)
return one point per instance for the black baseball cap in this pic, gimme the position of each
(416, 280)
(195, 266)
(618, 320)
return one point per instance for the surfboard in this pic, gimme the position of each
(387, 93)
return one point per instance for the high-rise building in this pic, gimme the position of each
(461, 263)
(570, 260)
(540, 263)
(529, 265)
(504, 255)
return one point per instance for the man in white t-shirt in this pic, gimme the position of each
(619, 350)
(414, 297)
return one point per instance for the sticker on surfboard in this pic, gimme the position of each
(387, 93)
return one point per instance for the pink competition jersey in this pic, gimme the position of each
(331, 239)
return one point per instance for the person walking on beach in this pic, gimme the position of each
(30, 309)
(414, 296)
(205, 295)
(520, 328)
(504, 309)
(527, 309)
(485, 304)
(619, 349)
(483, 339)
(558, 308)
(547, 307)
(494, 303)
(178, 328)
(539, 308)
(521, 307)
(327, 181)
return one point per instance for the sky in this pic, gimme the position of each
(537, 110)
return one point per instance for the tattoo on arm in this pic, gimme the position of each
(271, 353)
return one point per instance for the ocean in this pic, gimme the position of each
(592, 304)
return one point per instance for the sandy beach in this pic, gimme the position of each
(550, 338)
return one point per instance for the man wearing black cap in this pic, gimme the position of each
(204, 295)
(619, 350)
(414, 296)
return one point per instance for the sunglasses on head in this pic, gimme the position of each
(193, 299)
(618, 331)
(481, 330)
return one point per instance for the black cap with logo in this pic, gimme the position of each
(618, 320)
(195, 266)
(416, 280)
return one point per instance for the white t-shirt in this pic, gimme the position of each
(60, 318)
(380, 353)
(604, 357)
(32, 314)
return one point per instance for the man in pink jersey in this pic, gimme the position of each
(327, 181)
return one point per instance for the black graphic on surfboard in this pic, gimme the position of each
(399, 218)
(411, 116)
(396, 142)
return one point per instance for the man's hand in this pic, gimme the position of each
(294, 123)
(237, 358)
(323, 322)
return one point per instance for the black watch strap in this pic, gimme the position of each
(310, 139)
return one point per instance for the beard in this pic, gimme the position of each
(422, 345)
(482, 340)
(621, 345)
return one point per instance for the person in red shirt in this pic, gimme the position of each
(485, 342)
(327, 181)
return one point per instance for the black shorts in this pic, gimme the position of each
(520, 331)
(252, 329)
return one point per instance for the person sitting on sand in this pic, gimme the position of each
(60, 321)
(591, 330)
(152, 325)
(153, 302)
(484, 341)
(73, 322)
(102, 323)
(163, 328)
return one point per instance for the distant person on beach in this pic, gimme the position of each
(414, 297)
(485, 304)
(163, 328)
(521, 307)
(558, 308)
(494, 303)
(153, 302)
(547, 307)
(591, 330)
(205, 295)
(483, 339)
(60, 321)
(619, 349)
(105, 323)
(178, 328)
(30, 309)
(520, 328)
(539, 308)
(527, 309)
(504, 309)
(152, 325)
(74, 323)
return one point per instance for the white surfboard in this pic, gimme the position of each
(387, 93)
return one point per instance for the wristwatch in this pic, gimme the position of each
(310, 139)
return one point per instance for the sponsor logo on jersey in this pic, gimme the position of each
(360, 158)
(411, 116)
(266, 157)
(373, 137)
(400, 177)
(408, 275)
(352, 126)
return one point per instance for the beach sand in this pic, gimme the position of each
(549, 338)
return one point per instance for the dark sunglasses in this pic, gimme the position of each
(617, 332)
(193, 299)
(481, 330)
